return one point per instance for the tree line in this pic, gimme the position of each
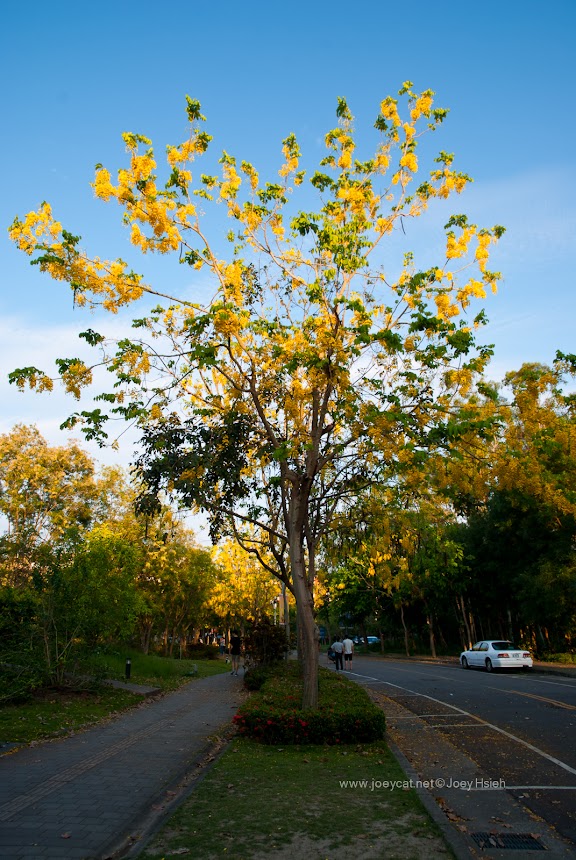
(476, 545)
(80, 570)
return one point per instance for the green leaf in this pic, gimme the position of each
(91, 337)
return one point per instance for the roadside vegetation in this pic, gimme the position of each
(273, 714)
(303, 810)
(51, 711)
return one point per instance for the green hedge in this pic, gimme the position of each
(560, 658)
(256, 677)
(345, 713)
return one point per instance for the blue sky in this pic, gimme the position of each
(76, 75)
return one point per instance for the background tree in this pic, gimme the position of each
(244, 590)
(315, 363)
(46, 496)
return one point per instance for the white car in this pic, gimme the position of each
(493, 654)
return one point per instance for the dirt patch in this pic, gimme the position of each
(408, 844)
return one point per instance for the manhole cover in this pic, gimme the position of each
(512, 841)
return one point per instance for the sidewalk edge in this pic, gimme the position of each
(454, 839)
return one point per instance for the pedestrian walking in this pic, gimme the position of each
(235, 651)
(338, 650)
(348, 646)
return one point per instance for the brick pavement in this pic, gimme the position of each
(83, 797)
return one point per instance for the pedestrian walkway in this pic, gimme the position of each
(88, 796)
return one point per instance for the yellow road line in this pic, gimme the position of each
(544, 699)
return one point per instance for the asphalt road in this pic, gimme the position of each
(519, 727)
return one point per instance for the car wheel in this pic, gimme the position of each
(489, 666)
(465, 663)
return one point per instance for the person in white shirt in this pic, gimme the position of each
(337, 648)
(348, 647)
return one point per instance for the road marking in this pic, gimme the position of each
(531, 747)
(570, 685)
(539, 788)
(418, 716)
(567, 682)
(541, 699)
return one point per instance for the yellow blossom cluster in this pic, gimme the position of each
(460, 379)
(93, 280)
(232, 182)
(185, 152)
(291, 164)
(136, 362)
(409, 161)
(422, 106)
(36, 228)
(233, 284)
(384, 225)
(277, 226)
(136, 190)
(358, 198)
(382, 159)
(38, 381)
(251, 173)
(472, 288)
(228, 322)
(75, 377)
(252, 219)
(449, 182)
(482, 253)
(445, 308)
(389, 110)
(459, 247)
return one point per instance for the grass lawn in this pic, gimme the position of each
(261, 802)
(150, 669)
(49, 713)
(56, 713)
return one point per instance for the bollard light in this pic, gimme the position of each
(128, 668)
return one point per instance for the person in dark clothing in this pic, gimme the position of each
(235, 651)
(338, 649)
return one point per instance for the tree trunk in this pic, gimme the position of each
(462, 609)
(307, 629)
(511, 635)
(430, 623)
(364, 636)
(286, 614)
(472, 624)
(406, 642)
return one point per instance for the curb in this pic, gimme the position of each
(452, 837)
(179, 789)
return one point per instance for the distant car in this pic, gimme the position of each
(493, 654)
(371, 640)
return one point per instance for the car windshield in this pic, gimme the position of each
(498, 645)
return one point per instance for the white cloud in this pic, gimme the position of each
(23, 345)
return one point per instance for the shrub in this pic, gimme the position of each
(202, 652)
(565, 657)
(255, 677)
(265, 643)
(344, 715)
